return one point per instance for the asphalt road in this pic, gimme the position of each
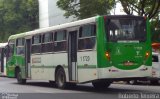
(9, 89)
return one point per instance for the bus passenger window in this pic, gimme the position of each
(60, 43)
(36, 39)
(47, 37)
(47, 42)
(36, 44)
(10, 49)
(20, 46)
(87, 38)
(20, 50)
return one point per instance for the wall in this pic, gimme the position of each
(50, 14)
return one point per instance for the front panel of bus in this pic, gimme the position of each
(10, 62)
(127, 47)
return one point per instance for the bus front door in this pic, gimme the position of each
(72, 55)
(2, 60)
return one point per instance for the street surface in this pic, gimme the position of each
(44, 90)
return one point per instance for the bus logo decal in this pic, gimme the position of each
(118, 51)
(137, 53)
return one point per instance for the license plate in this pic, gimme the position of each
(128, 63)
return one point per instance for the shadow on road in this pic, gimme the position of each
(86, 88)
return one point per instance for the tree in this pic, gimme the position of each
(17, 16)
(85, 8)
(147, 8)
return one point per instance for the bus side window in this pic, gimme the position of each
(36, 44)
(47, 42)
(60, 43)
(10, 49)
(20, 46)
(87, 37)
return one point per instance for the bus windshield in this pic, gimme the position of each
(125, 29)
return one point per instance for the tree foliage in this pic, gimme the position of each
(88, 8)
(85, 8)
(17, 16)
(147, 8)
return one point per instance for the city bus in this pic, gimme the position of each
(100, 50)
(3, 59)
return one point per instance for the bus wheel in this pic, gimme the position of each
(61, 79)
(154, 82)
(19, 78)
(101, 84)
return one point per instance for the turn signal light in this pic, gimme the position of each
(105, 18)
(147, 54)
(107, 55)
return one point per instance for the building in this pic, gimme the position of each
(50, 14)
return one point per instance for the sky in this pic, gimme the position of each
(118, 10)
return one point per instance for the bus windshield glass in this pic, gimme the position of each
(126, 29)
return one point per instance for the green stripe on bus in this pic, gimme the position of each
(79, 66)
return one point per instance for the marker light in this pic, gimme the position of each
(107, 55)
(105, 18)
(147, 55)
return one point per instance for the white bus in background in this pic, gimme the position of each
(155, 78)
(155, 68)
(2, 59)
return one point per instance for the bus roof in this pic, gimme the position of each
(61, 26)
(52, 28)
(2, 45)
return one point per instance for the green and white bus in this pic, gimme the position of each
(100, 50)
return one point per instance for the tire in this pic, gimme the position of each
(71, 85)
(154, 82)
(101, 84)
(61, 79)
(19, 78)
(15, 75)
(127, 82)
(51, 82)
